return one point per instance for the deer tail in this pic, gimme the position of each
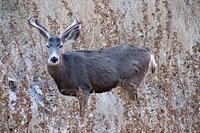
(153, 64)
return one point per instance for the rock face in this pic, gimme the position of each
(169, 100)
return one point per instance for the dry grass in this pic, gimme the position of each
(169, 99)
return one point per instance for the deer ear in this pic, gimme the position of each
(71, 33)
(37, 24)
(44, 31)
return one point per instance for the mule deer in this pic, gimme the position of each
(79, 73)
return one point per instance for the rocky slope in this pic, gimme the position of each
(169, 101)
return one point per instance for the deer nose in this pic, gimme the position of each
(54, 59)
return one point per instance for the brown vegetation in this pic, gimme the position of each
(169, 101)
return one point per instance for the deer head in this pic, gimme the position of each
(55, 42)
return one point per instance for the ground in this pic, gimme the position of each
(169, 99)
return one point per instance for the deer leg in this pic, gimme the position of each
(132, 90)
(83, 96)
(133, 93)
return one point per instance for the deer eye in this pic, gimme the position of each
(48, 46)
(60, 46)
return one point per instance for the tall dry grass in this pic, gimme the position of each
(169, 101)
